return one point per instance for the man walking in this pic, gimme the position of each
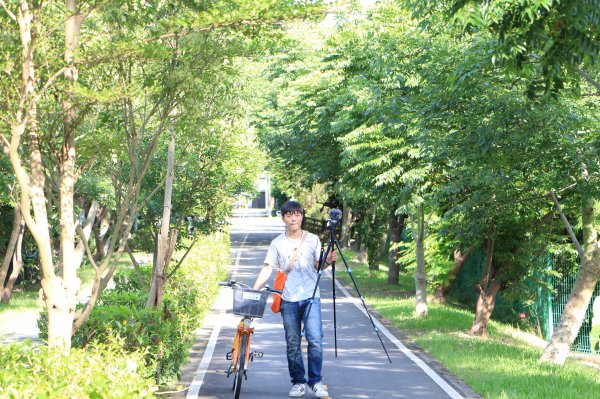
(296, 252)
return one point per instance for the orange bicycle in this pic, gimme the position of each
(249, 304)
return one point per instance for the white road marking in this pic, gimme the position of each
(432, 374)
(196, 384)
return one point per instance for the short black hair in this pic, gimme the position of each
(291, 206)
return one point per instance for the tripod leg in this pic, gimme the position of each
(319, 274)
(334, 313)
(361, 298)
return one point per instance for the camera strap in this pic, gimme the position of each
(295, 253)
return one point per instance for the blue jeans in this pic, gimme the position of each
(294, 314)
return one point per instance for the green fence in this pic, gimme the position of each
(319, 227)
(315, 226)
(549, 303)
(562, 289)
(464, 290)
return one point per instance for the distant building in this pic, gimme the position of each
(259, 205)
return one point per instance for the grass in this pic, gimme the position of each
(23, 308)
(373, 280)
(28, 301)
(499, 366)
(22, 300)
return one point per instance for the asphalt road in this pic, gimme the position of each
(361, 368)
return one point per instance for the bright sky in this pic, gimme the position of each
(329, 20)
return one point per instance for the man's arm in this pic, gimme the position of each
(263, 276)
(331, 257)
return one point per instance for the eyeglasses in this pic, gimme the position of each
(294, 213)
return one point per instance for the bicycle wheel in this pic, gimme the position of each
(241, 364)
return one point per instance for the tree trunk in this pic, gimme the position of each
(101, 237)
(87, 230)
(396, 226)
(65, 289)
(488, 288)
(346, 227)
(419, 236)
(128, 202)
(166, 244)
(357, 244)
(373, 241)
(382, 246)
(12, 243)
(17, 265)
(361, 256)
(566, 331)
(459, 260)
(168, 255)
(31, 181)
(485, 306)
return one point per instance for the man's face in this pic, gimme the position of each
(292, 220)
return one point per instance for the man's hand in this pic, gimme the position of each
(331, 257)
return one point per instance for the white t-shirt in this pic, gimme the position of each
(302, 277)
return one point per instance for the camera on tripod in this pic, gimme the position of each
(335, 215)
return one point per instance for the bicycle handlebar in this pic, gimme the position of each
(233, 283)
(280, 292)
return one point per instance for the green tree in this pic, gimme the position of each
(102, 54)
(562, 38)
(13, 236)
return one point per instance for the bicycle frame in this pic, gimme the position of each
(243, 328)
(241, 354)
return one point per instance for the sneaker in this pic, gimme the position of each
(319, 390)
(297, 390)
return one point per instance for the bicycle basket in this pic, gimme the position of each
(247, 302)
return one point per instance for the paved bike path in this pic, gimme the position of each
(361, 368)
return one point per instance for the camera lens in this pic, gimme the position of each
(335, 214)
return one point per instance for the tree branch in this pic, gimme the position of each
(111, 56)
(135, 263)
(151, 194)
(9, 12)
(87, 248)
(182, 258)
(425, 234)
(82, 167)
(39, 95)
(221, 25)
(578, 247)
(415, 234)
(589, 79)
(4, 144)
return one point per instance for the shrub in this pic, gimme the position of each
(164, 334)
(99, 371)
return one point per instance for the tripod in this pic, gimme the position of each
(334, 217)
